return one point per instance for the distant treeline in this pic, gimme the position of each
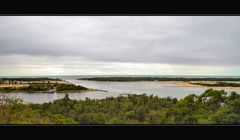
(128, 79)
(219, 84)
(28, 79)
(211, 107)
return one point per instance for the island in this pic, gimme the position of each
(39, 85)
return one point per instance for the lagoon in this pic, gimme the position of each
(115, 89)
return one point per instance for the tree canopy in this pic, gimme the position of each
(210, 107)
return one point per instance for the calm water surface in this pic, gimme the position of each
(114, 89)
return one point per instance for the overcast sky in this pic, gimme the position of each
(88, 45)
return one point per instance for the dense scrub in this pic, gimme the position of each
(14, 111)
(128, 79)
(69, 88)
(211, 107)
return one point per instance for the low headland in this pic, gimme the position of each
(39, 85)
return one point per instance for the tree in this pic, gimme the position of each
(213, 98)
(229, 114)
(8, 106)
(91, 118)
(141, 112)
(191, 98)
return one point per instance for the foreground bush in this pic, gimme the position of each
(211, 107)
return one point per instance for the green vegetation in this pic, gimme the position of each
(211, 107)
(219, 84)
(69, 88)
(43, 87)
(29, 79)
(33, 85)
(129, 79)
(14, 111)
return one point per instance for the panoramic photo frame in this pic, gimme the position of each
(119, 70)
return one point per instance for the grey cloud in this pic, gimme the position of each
(172, 40)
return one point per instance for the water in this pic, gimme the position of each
(114, 89)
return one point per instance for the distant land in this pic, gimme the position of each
(188, 82)
(128, 79)
(36, 85)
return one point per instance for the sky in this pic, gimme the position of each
(119, 45)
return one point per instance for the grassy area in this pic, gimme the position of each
(132, 79)
(211, 107)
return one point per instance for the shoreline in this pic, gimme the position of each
(188, 84)
(35, 92)
(179, 83)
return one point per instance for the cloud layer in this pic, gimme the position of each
(162, 40)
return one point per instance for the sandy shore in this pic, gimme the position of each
(188, 84)
(13, 85)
